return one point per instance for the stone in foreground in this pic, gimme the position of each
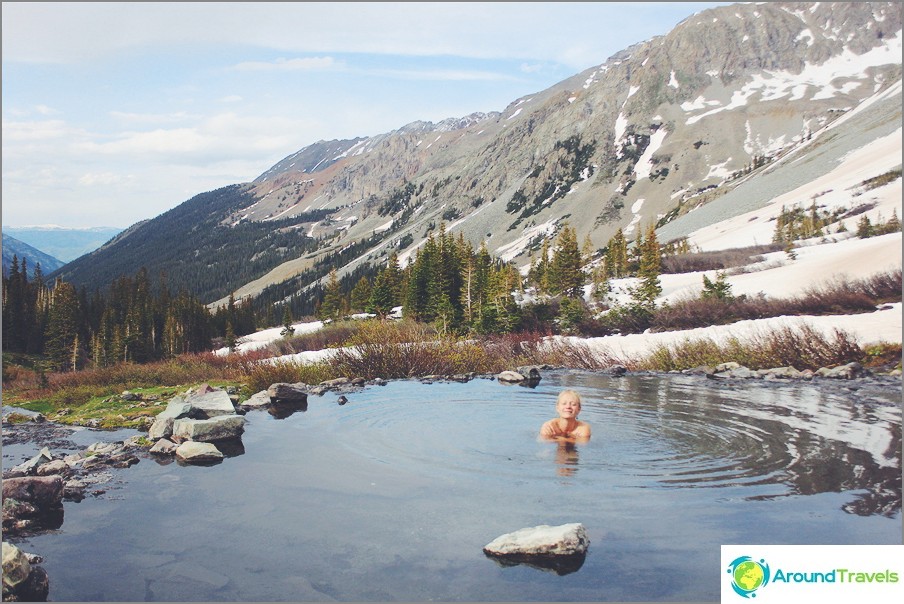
(541, 541)
(195, 452)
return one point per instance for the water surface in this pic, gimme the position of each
(392, 495)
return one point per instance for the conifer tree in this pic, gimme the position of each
(649, 288)
(331, 306)
(565, 274)
(617, 256)
(62, 326)
(287, 329)
(360, 295)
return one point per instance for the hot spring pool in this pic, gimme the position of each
(392, 495)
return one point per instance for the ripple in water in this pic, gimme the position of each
(647, 432)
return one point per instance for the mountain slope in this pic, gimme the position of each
(660, 130)
(32, 256)
(61, 242)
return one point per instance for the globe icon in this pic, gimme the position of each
(748, 575)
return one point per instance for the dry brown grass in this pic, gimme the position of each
(803, 347)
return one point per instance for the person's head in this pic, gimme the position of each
(568, 404)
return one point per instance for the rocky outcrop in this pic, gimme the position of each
(203, 415)
(32, 502)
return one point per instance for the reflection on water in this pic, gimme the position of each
(393, 495)
(566, 457)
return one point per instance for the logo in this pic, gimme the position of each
(748, 575)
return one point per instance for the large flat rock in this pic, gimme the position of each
(541, 541)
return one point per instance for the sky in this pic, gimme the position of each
(114, 113)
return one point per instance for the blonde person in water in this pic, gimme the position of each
(568, 406)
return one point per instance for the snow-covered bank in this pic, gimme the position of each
(883, 325)
(878, 326)
(265, 337)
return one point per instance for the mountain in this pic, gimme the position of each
(62, 242)
(733, 108)
(33, 257)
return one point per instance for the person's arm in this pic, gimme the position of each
(548, 430)
(582, 431)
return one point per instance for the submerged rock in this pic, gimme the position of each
(541, 541)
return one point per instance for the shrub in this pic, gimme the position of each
(803, 347)
(715, 260)
(262, 375)
(408, 349)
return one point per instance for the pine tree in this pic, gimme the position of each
(865, 227)
(360, 294)
(649, 287)
(331, 306)
(720, 289)
(617, 256)
(62, 326)
(287, 329)
(566, 277)
(386, 292)
(231, 340)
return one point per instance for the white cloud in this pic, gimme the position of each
(442, 75)
(151, 118)
(564, 32)
(25, 131)
(102, 178)
(297, 64)
(232, 98)
(220, 136)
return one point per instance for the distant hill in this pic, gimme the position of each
(20, 249)
(62, 242)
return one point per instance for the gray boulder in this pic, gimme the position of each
(31, 466)
(22, 580)
(195, 452)
(221, 427)
(163, 424)
(163, 447)
(541, 541)
(57, 466)
(257, 401)
(211, 404)
(510, 376)
(531, 371)
(16, 567)
(32, 501)
(844, 372)
(295, 393)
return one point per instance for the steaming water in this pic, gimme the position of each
(393, 495)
